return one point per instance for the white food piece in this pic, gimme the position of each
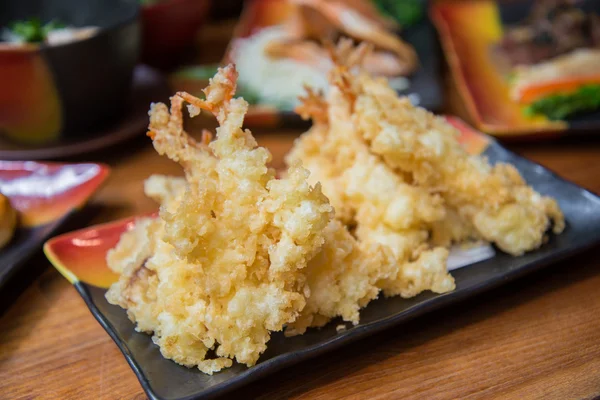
(68, 35)
(278, 82)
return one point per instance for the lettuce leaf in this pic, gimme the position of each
(560, 106)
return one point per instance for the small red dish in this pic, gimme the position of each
(45, 195)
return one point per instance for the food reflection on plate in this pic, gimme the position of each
(376, 193)
(554, 56)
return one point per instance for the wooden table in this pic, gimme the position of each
(538, 337)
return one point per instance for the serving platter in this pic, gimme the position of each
(469, 30)
(45, 196)
(80, 257)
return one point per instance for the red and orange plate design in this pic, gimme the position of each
(80, 256)
(45, 195)
(469, 29)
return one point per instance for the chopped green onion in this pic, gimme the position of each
(32, 30)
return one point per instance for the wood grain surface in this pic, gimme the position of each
(536, 338)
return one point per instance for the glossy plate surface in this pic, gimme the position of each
(80, 257)
(45, 195)
(469, 30)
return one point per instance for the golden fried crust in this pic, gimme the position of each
(392, 218)
(494, 202)
(223, 264)
(481, 201)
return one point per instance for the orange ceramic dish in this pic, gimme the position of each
(468, 30)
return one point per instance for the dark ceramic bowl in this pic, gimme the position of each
(50, 93)
(169, 29)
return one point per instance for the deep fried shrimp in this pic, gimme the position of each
(223, 264)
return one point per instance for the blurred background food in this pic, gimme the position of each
(277, 61)
(554, 54)
(67, 65)
(51, 33)
(77, 83)
(277, 46)
(524, 67)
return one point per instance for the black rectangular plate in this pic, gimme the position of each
(163, 379)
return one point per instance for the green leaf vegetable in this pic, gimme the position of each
(405, 12)
(32, 30)
(560, 106)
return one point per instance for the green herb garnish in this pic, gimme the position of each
(32, 30)
(560, 106)
(405, 12)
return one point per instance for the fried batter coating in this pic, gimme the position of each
(347, 274)
(342, 279)
(392, 217)
(136, 288)
(223, 264)
(165, 190)
(359, 185)
(494, 201)
(373, 137)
